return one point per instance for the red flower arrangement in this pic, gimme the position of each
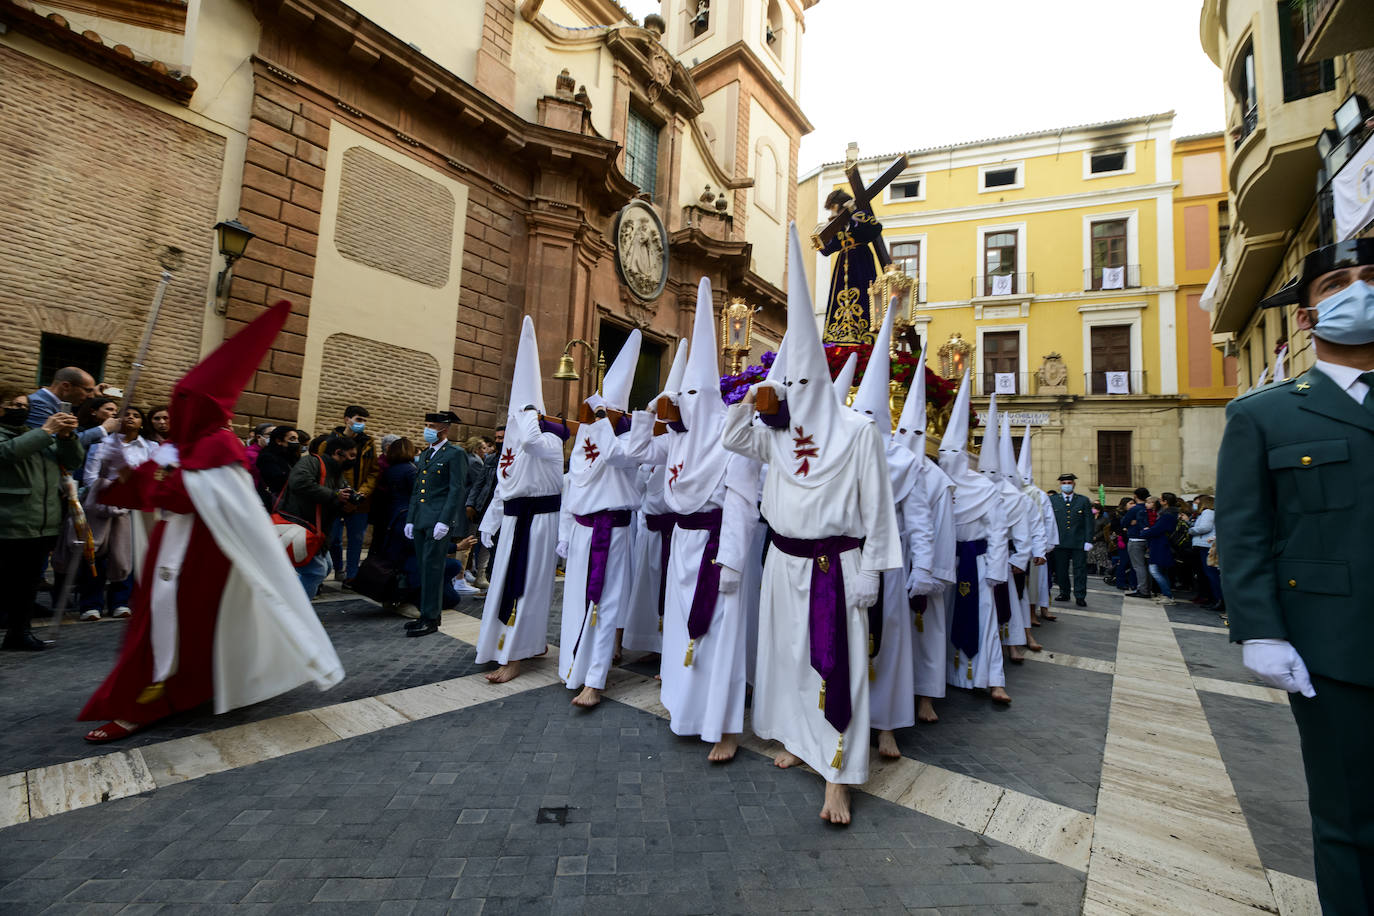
(939, 390)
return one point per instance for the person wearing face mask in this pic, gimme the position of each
(1074, 517)
(316, 488)
(361, 478)
(1294, 490)
(275, 463)
(256, 443)
(436, 515)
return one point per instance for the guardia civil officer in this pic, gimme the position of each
(436, 515)
(1295, 486)
(1073, 513)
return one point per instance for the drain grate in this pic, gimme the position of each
(557, 816)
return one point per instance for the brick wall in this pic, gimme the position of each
(498, 28)
(396, 385)
(95, 185)
(394, 220)
(1361, 65)
(482, 348)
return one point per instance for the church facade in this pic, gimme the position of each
(417, 176)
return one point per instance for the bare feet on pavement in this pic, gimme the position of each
(836, 808)
(1000, 695)
(508, 671)
(887, 745)
(588, 698)
(925, 710)
(724, 749)
(786, 759)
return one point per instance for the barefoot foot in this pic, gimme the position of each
(836, 808)
(999, 695)
(1031, 642)
(509, 671)
(588, 698)
(786, 759)
(1015, 654)
(925, 710)
(724, 749)
(887, 745)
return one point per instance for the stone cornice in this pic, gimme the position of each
(640, 50)
(740, 53)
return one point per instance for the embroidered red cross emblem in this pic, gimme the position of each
(590, 451)
(507, 459)
(806, 450)
(674, 471)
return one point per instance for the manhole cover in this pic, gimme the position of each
(557, 816)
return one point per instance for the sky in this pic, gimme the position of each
(898, 75)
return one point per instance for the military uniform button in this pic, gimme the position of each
(1306, 460)
(1292, 583)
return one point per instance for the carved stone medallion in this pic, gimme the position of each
(1053, 375)
(641, 250)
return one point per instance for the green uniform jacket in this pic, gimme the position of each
(1295, 478)
(1075, 520)
(30, 500)
(440, 491)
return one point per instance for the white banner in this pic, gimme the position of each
(1118, 383)
(1353, 191)
(1001, 285)
(1006, 382)
(1113, 278)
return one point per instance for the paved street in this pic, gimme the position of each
(1139, 769)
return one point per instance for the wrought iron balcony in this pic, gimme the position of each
(1098, 278)
(1022, 284)
(1248, 122)
(1109, 382)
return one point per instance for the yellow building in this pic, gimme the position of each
(1047, 264)
(1297, 78)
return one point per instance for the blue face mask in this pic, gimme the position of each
(1347, 317)
(358, 426)
(1066, 488)
(431, 435)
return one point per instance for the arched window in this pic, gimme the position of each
(772, 27)
(767, 178)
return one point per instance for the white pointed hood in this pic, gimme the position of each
(954, 442)
(526, 385)
(1023, 462)
(816, 446)
(697, 457)
(679, 368)
(845, 380)
(988, 459)
(615, 388)
(911, 426)
(776, 370)
(1006, 458)
(874, 397)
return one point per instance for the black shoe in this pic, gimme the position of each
(1139, 595)
(26, 643)
(1082, 602)
(424, 629)
(1062, 596)
(415, 624)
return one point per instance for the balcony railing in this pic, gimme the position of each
(1132, 381)
(1248, 122)
(1306, 80)
(1104, 278)
(1004, 285)
(985, 383)
(1115, 480)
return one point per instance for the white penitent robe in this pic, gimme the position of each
(1019, 555)
(1040, 595)
(751, 576)
(932, 556)
(1035, 519)
(855, 500)
(531, 465)
(987, 521)
(602, 476)
(641, 623)
(892, 704)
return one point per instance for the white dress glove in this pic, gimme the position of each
(410, 532)
(729, 580)
(1278, 664)
(440, 531)
(1088, 546)
(866, 589)
(562, 549)
(919, 583)
(486, 540)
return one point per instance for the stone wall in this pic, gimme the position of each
(96, 185)
(365, 372)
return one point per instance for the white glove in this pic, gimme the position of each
(866, 589)
(1278, 664)
(919, 583)
(166, 455)
(729, 580)
(1088, 546)
(410, 532)
(440, 531)
(595, 402)
(562, 549)
(486, 539)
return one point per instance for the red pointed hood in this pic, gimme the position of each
(203, 401)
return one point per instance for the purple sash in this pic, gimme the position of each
(827, 625)
(523, 510)
(1001, 599)
(662, 525)
(557, 427)
(963, 625)
(708, 576)
(601, 524)
(1020, 579)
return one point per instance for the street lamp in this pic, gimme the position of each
(736, 331)
(234, 237)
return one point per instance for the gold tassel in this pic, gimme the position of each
(691, 648)
(152, 693)
(920, 622)
(501, 643)
(872, 671)
(838, 760)
(1004, 631)
(822, 695)
(593, 623)
(970, 669)
(660, 624)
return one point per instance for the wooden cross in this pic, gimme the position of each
(863, 196)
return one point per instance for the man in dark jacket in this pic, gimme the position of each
(1073, 514)
(316, 489)
(1133, 526)
(360, 478)
(436, 515)
(480, 493)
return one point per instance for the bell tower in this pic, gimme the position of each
(744, 57)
